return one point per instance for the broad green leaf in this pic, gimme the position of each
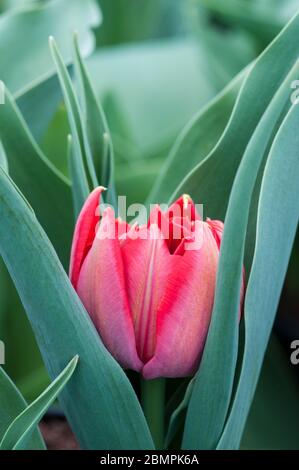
(12, 403)
(99, 402)
(197, 139)
(28, 374)
(211, 180)
(20, 430)
(278, 202)
(37, 101)
(44, 187)
(55, 140)
(97, 130)
(36, 23)
(212, 392)
(225, 54)
(80, 145)
(38, 104)
(3, 159)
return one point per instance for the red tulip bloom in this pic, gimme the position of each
(148, 289)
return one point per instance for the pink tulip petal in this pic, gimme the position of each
(101, 287)
(173, 228)
(184, 223)
(180, 229)
(217, 228)
(184, 311)
(146, 274)
(84, 233)
(183, 207)
(121, 227)
(158, 217)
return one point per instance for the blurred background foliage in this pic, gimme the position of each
(154, 64)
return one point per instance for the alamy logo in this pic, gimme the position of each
(2, 353)
(295, 354)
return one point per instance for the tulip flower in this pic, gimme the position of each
(148, 289)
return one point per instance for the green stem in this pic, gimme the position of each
(152, 399)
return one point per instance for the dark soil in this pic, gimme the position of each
(58, 434)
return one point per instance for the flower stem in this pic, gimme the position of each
(152, 399)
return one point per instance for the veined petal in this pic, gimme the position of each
(217, 228)
(146, 273)
(184, 312)
(101, 287)
(84, 233)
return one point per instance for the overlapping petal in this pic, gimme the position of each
(148, 289)
(184, 313)
(147, 272)
(102, 289)
(84, 233)
(217, 228)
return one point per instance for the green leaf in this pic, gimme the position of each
(12, 403)
(80, 145)
(278, 202)
(19, 432)
(43, 186)
(35, 23)
(262, 21)
(3, 159)
(44, 96)
(99, 402)
(212, 392)
(178, 416)
(79, 188)
(97, 130)
(211, 180)
(197, 139)
(55, 140)
(28, 374)
(225, 54)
